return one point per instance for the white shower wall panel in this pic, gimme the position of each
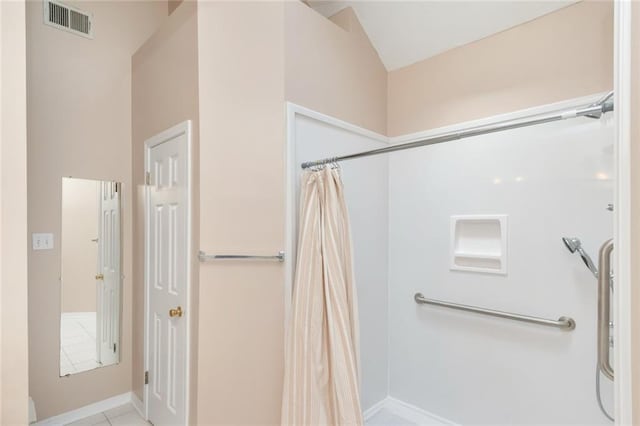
(366, 192)
(551, 180)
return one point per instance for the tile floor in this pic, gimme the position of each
(125, 415)
(77, 342)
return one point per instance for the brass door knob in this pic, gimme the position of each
(177, 312)
(100, 277)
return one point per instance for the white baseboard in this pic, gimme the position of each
(374, 409)
(411, 413)
(87, 410)
(138, 405)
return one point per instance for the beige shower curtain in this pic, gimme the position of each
(321, 384)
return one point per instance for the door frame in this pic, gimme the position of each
(622, 214)
(183, 128)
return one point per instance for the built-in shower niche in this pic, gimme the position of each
(479, 243)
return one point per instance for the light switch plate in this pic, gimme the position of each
(42, 241)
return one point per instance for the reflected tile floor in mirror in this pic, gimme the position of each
(77, 342)
(119, 416)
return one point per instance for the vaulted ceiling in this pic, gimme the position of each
(405, 32)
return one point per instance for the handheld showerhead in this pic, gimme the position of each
(574, 244)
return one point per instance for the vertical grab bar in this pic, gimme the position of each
(604, 307)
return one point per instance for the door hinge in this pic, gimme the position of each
(146, 377)
(114, 348)
(147, 178)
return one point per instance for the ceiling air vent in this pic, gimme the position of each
(68, 18)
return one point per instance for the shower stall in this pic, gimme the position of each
(472, 310)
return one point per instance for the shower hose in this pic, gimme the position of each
(607, 415)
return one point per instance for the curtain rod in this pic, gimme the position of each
(594, 110)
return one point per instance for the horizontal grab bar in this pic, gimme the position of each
(564, 323)
(204, 257)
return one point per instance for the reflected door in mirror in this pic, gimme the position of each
(91, 275)
(108, 279)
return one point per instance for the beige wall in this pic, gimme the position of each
(80, 212)
(242, 210)
(164, 93)
(562, 55)
(333, 68)
(13, 212)
(79, 112)
(288, 53)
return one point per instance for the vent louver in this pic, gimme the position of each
(68, 18)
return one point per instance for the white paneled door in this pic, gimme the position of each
(167, 267)
(108, 277)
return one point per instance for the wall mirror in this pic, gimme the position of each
(90, 274)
